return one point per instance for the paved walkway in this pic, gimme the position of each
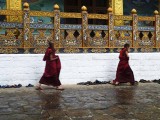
(100, 102)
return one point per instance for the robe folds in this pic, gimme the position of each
(52, 69)
(124, 72)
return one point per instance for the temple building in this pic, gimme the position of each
(87, 35)
(120, 7)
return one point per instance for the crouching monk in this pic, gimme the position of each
(124, 72)
(52, 69)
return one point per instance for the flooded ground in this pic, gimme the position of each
(77, 102)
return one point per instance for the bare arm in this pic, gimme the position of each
(127, 54)
(51, 57)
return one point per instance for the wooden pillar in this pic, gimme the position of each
(117, 6)
(84, 26)
(110, 27)
(157, 27)
(14, 5)
(26, 27)
(56, 25)
(134, 27)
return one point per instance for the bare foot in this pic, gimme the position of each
(112, 83)
(59, 88)
(117, 83)
(38, 88)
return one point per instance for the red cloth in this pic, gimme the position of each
(52, 69)
(124, 72)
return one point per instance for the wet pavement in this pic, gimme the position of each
(96, 102)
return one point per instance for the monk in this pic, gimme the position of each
(124, 72)
(52, 69)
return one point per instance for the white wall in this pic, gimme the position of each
(28, 68)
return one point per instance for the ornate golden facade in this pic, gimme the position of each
(117, 6)
(30, 37)
(14, 5)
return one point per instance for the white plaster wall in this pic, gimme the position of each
(28, 68)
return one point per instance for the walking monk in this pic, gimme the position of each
(124, 72)
(52, 69)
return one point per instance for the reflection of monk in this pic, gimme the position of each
(49, 103)
(125, 96)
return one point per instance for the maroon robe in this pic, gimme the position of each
(124, 72)
(52, 69)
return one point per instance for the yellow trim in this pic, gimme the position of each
(117, 6)
(14, 5)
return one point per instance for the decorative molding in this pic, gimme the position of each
(122, 17)
(146, 29)
(70, 15)
(98, 27)
(144, 18)
(41, 26)
(69, 26)
(11, 12)
(122, 27)
(8, 50)
(10, 25)
(74, 50)
(98, 16)
(41, 13)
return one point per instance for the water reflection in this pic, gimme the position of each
(50, 98)
(125, 95)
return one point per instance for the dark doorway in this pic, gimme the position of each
(93, 6)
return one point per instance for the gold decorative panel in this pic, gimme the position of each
(117, 6)
(97, 16)
(14, 5)
(122, 37)
(98, 38)
(71, 38)
(41, 13)
(70, 15)
(145, 39)
(27, 37)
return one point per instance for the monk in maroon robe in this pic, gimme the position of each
(124, 72)
(52, 69)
